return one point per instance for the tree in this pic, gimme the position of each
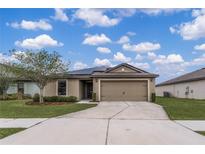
(5, 79)
(38, 67)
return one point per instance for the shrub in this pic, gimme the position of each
(94, 97)
(11, 96)
(50, 99)
(153, 97)
(60, 99)
(166, 94)
(27, 96)
(36, 98)
(15, 96)
(72, 99)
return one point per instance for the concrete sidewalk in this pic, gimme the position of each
(195, 125)
(20, 123)
(109, 123)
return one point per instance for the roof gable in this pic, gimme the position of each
(126, 68)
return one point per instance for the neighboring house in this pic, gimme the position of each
(191, 85)
(24, 87)
(120, 83)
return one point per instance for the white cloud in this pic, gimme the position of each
(172, 30)
(124, 12)
(121, 57)
(200, 47)
(38, 42)
(142, 47)
(168, 66)
(167, 71)
(198, 61)
(102, 62)
(170, 59)
(123, 39)
(96, 39)
(60, 15)
(6, 59)
(79, 65)
(198, 12)
(112, 17)
(140, 65)
(192, 30)
(131, 33)
(96, 17)
(103, 50)
(32, 25)
(139, 57)
(151, 55)
(173, 64)
(155, 12)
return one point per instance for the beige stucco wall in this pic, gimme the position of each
(96, 88)
(178, 90)
(50, 89)
(152, 86)
(74, 88)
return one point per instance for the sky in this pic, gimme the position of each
(168, 42)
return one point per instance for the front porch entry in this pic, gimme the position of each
(87, 89)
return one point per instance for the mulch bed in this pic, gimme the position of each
(47, 103)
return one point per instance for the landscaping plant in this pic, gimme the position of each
(39, 67)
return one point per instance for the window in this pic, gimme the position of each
(20, 87)
(62, 87)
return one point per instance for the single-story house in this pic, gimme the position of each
(190, 85)
(120, 83)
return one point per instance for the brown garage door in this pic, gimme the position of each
(124, 91)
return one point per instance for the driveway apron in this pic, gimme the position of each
(109, 123)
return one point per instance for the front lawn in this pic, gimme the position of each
(4, 132)
(201, 132)
(18, 109)
(183, 109)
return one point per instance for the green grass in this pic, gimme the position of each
(201, 132)
(4, 132)
(183, 109)
(18, 109)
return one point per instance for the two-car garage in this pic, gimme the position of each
(124, 90)
(123, 82)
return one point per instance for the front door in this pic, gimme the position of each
(89, 90)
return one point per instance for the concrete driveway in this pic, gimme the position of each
(109, 123)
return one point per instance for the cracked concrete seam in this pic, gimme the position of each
(109, 119)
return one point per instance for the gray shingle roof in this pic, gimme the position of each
(193, 76)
